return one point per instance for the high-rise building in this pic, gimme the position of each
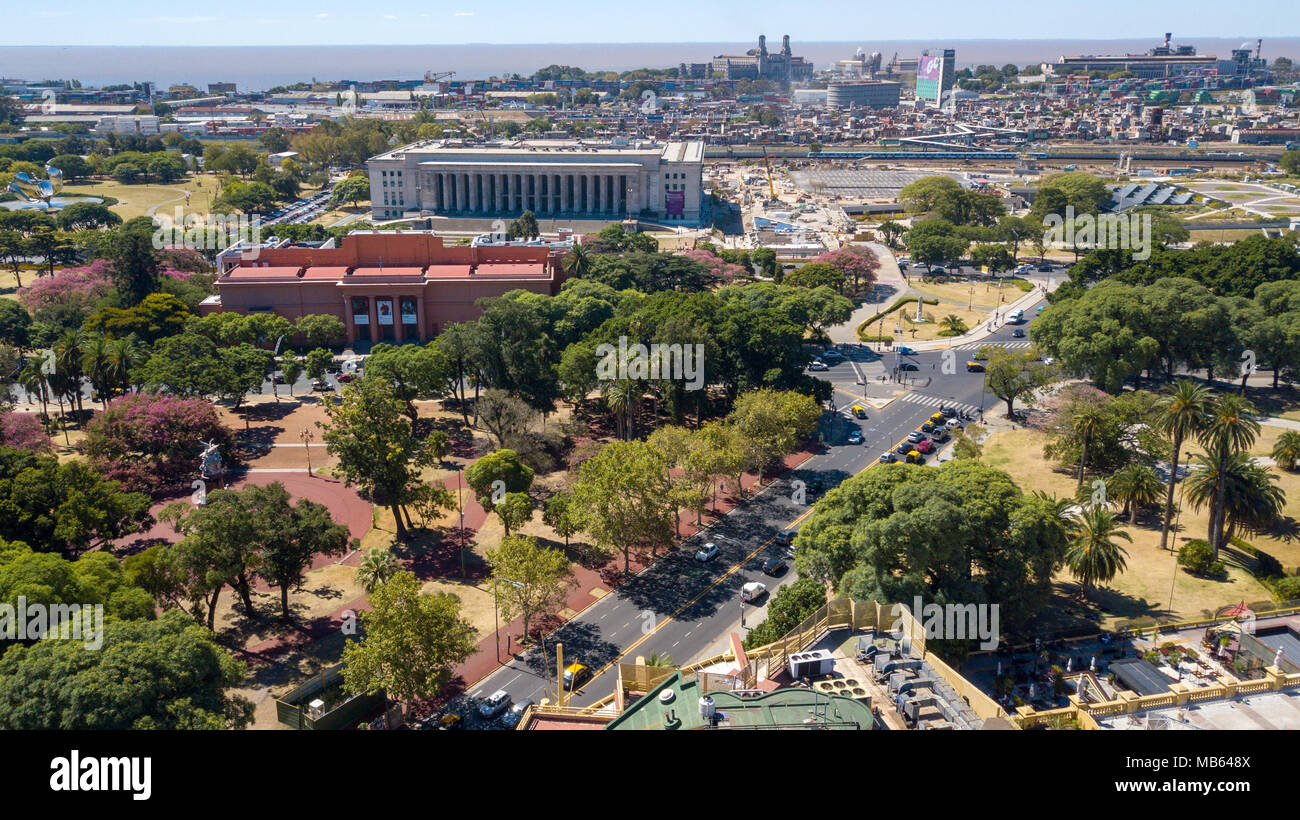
(934, 76)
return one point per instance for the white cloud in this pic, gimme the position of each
(463, 14)
(321, 16)
(390, 16)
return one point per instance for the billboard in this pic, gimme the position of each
(929, 78)
(674, 203)
(384, 309)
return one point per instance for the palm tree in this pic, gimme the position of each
(68, 367)
(124, 355)
(664, 660)
(622, 397)
(1231, 428)
(1092, 551)
(95, 361)
(1252, 503)
(1137, 485)
(953, 323)
(376, 568)
(32, 379)
(577, 262)
(1182, 415)
(1087, 424)
(1286, 452)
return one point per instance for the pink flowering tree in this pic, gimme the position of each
(723, 271)
(858, 264)
(23, 431)
(151, 442)
(76, 288)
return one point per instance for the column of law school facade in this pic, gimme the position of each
(386, 286)
(555, 179)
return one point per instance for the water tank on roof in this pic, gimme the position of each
(707, 707)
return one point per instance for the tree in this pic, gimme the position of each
(375, 568)
(1286, 451)
(1230, 429)
(179, 678)
(1250, 500)
(773, 423)
(1094, 554)
(1011, 374)
(134, 264)
(505, 417)
(352, 190)
(622, 498)
(527, 578)
(816, 274)
(152, 442)
(515, 510)
(321, 329)
(496, 474)
(558, 514)
(952, 325)
(376, 445)
(292, 536)
(221, 547)
(1182, 416)
(1137, 486)
(316, 362)
(791, 605)
(411, 642)
(1087, 424)
(65, 508)
(291, 368)
(962, 532)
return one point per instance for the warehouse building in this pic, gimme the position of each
(552, 178)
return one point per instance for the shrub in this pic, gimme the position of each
(1288, 588)
(1197, 557)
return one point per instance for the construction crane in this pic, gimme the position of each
(771, 186)
(430, 77)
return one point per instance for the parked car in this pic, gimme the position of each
(495, 704)
(320, 385)
(940, 434)
(786, 536)
(904, 448)
(915, 457)
(706, 552)
(974, 367)
(450, 720)
(511, 718)
(818, 366)
(832, 353)
(855, 437)
(915, 436)
(752, 591)
(928, 427)
(939, 417)
(888, 458)
(344, 378)
(925, 447)
(954, 424)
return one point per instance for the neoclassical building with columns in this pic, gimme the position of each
(555, 179)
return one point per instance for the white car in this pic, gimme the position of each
(819, 366)
(706, 552)
(496, 703)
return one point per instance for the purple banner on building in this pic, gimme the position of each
(675, 203)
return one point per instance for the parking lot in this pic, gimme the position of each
(302, 211)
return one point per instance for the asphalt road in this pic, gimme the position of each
(683, 607)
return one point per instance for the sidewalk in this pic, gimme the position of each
(984, 329)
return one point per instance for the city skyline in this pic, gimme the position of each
(81, 23)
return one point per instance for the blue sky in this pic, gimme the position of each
(306, 22)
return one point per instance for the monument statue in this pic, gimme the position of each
(210, 463)
(38, 191)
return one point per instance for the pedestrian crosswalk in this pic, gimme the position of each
(935, 401)
(978, 345)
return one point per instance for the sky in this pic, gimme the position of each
(336, 22)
